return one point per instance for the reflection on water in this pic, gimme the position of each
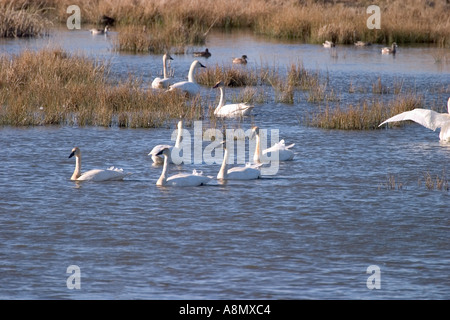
(309, 232)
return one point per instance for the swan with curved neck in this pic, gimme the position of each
(230, 110)
(95, 174)
(249, 172)
(165, 82)
(155, 152)
(428, 118)
(181, 179)
(190, 87)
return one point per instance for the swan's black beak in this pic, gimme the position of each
(201, 65)
(217, 85)
(72, 154)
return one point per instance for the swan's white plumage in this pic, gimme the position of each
(428, 118)
(230, 110)
(196, 178)
(248, 172)
(109, 174)
(190, 86)
(165, 82)
(389, 50)
(159, 159)
(284, 152)
(328, 44)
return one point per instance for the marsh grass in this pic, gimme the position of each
(365, 116)
(439, 182)
(74, 90)
(25, 21)
(391, 183)
(231, 76)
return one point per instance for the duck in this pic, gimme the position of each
(109, 174)
(230, 110)
(247, 172)
(165, 82)
(155, 153)
(428, 118)
(190, 87)
(100, 31)
(284, 152)
(194, 179)
(390, 50)
(241, 60)
(328, 44)
(205, 53)
(362, 44)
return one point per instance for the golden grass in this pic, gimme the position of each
(26, 21)
(74, 90)
(366, 116)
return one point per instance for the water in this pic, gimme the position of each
(310, 232)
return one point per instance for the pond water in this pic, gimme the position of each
(309, 232)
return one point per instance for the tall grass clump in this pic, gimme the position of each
(74, 90)
(234, 76)
(26, 21)
(365, 116)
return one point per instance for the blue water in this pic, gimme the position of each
(308, 232)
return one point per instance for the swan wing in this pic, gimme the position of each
(428, 118)
(234, 110)
(186, 86)
(103, 175)
(188, 180)
(157, 149)
(243, 173)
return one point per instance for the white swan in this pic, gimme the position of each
(362, 44)
(165, 82)
(190, 87)
(156, 151)
(284, 152)
(428, 118)
(230, 110)
(392, 49)
(328, 44)
(241, 60)
(181, 179)
(100, 31)
(95, 174)
(249, 172)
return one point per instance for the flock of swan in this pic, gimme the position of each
(386, 50)
(161, 154)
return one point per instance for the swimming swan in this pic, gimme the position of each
(165, 82)
(284, 152)
(100, 31)
(230, 110)
(249, 172)
(392, 49)
(328, 44)
(362, 44)
(181, 179)
(241, 60)
(155, 153)
(428, 118)
(95, 174)
(190, 86)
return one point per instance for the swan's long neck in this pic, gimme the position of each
(191, 73)
(448, 105)
(223, 169)
(221, 101)
(165, 67)
(258, 151)
(163, 178)
(77, 172)
(179, 134)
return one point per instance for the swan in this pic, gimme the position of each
(388, 50)
(190, 86)
(241, 60)
(205, 53)
(155, 152)
(328, 44)
(100, 31)
(284, 152)
(230, 110)
(182, 179)
(428, 118)
(159, 83)
(96, 174)
(362, 44)
(248, 172)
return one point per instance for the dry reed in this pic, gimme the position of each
(26, 21)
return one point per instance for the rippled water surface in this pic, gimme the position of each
(309, 232)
